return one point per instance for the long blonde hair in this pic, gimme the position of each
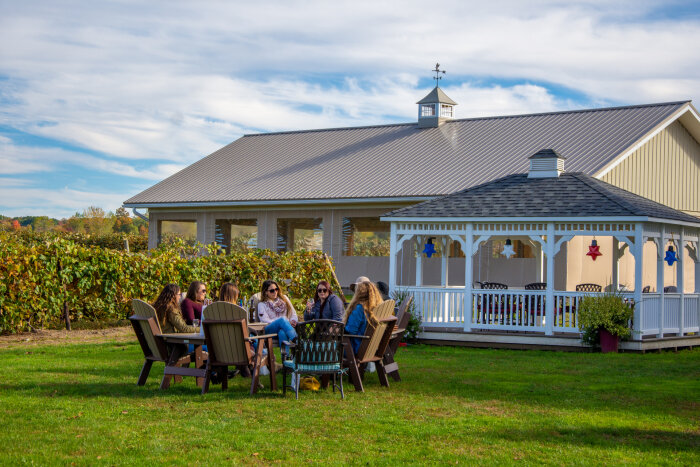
(367, 295)
(291, 312)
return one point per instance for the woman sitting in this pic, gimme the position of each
(277, 312)
(168, 311)
(191, 306)
(361, 311)
(325, 305)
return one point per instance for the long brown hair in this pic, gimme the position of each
(229, 293)
(367, 295)
(192, 290)
(167, 300)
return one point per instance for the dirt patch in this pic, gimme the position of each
(46, 337)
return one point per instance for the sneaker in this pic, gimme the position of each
(264, 371)
(371, 367)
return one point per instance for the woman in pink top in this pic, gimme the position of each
(277, 311)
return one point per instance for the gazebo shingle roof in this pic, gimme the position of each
(569, 195)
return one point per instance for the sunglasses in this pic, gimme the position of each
(272, 290)
(203, 291)
(321, 290)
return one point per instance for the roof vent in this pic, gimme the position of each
(435, 109)
(546, 163)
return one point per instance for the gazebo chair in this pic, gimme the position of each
(589, 288)
(229, 344)
(536, 286)
(646, 289)
(318, 351)
(403, 316)
(494, 285)
(670, 289)
(145, 324)
(373, 347)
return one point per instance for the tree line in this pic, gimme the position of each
(92, 221)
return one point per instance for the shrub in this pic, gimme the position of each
(606, 311)
(414, 324)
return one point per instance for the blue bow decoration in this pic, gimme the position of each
(429, 249)
(670, 256)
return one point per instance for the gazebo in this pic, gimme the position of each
(547, 207)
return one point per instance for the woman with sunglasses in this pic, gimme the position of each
(325, 305)
(191, 306)
(277, 311)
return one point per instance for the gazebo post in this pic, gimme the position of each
(419, 261)
(660, 278)
(443, 264)
(615, 264)
(549, 297)
(637, 251)
(468, 277)
(680, 278)
(392, 258)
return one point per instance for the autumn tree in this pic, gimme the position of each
(123, 222)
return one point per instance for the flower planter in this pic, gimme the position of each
(608, 342)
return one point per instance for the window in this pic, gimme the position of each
(446, 110)
(521, 249)
(237, 234)
(299, 234)
(365, 236)
(171, 230)
(427, 110)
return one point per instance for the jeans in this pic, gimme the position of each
(285, 331)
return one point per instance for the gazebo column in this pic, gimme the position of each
(468, 277)
(393, 244)
(549, 295)
(615, 264)
(680, 278)
(660, 279)
(443, 266)
(419, 261)
(637, 251)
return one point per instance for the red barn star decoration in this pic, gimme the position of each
(594, 250)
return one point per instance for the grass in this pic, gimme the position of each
(65, 404)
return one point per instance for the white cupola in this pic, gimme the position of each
(546, 163)
(435, 109)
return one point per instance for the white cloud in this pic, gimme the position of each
(54, 203)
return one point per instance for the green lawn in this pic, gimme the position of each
(65, 404)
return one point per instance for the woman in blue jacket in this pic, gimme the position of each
(360, 312)
(325, 305)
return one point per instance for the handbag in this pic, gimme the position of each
(309, 383)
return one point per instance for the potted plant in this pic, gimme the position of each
(604, 320)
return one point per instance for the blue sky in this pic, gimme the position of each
(100, 100)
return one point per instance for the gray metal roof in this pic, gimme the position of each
(436, 95)
(569, 195)
(403, 160)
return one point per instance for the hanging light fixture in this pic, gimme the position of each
(429, 249)
(670, 257)
(508, 249)
(594, 250)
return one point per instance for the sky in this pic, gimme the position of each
(101, 100)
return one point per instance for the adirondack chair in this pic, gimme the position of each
(229, 344)
(403, 316)
(373, 347)
(318, 351)
(147, 329)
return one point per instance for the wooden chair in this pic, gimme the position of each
(147, 329)
(317, 351)
(403, 316)
(373, 347)
(229, 344)
(589, 288)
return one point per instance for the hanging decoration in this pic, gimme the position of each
(670, 257)
(429, 249)
(508, 249)
(594, 250)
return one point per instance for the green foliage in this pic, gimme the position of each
(606, 311)
(415, 323)
(39, 273)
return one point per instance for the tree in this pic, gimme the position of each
(15, 224)
(123, 222)
(96, 221)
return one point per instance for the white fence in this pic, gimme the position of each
(524, 310)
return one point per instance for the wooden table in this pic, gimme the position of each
(179, 343)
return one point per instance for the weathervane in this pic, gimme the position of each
(437, 71)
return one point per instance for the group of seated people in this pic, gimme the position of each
(177, 314)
